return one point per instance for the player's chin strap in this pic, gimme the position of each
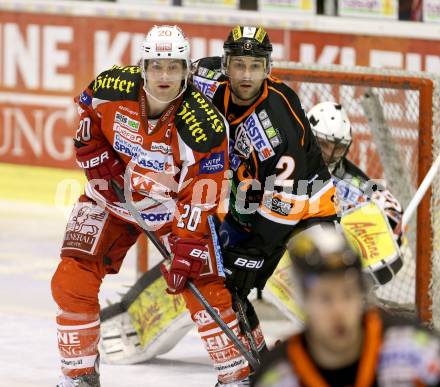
(125, 196)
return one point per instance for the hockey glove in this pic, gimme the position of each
(101, 163)
(189, 257)
(242, 268)
(393, 211)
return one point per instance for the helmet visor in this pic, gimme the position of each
(243, 68)
(333, 151)
(165, 70)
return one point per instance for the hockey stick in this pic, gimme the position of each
(192, 288)
(421, 191)
(246, 327)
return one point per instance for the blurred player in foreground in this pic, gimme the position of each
(345, 343)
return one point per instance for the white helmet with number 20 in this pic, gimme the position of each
(166, 42)
(332, 128)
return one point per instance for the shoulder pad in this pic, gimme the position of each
(209, 67)
(207, 75)
(118, 83)
(198, 122)
(284, 89)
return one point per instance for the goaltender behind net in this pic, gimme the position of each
(331, 126)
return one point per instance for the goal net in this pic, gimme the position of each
(395, 117)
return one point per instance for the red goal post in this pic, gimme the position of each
(401, 151)
(410, 120)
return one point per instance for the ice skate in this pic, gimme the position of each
(90, 380)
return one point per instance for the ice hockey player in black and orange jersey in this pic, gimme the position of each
(280, 182)
(150, 118)
(345, 342)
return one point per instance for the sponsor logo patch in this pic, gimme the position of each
(260, 34)
(84, 228)
(105, 81)
(243, 144)
(85, 98)
(155, 161)
(168, 46)
(161, 147)
(278, 206)
(127, 122)
(262, 115)
(258, 137)
(160, 217)
(266, 123)
(202, 317)
(130, 136)
(234, 160)
(275, 141)
(208, 74)
(271, 132)
(249, 32)
(206, 86)
(198, 121)
(212, 164)
(236, 33)
(128, 110)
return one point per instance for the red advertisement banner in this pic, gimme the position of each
(47, 59)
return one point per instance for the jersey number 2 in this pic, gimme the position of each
(287, 166)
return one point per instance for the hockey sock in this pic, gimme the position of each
(78, 337)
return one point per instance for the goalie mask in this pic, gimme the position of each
(165, 63)
(332, 129)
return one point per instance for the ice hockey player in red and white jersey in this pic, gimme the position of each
(344, 342)
(151, 118)
(332, 129)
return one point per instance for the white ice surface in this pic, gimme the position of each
(30, 238)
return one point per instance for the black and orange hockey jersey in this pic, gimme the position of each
(394, 353)
(280, 181)
(177, 165)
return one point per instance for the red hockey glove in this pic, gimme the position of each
(101, 163)
(189, 256)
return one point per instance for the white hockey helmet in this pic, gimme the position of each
(165, 42)
(330, 125)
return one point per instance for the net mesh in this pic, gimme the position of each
(385, 145)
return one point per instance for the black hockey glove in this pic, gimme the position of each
(242, 267)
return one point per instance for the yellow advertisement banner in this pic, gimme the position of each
(154, 310)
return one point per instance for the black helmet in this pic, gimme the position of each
(247, 41)
(323, 250)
